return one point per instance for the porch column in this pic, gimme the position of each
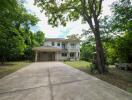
(56, 56)
(78, 55)
(68, 55)
(36, 56)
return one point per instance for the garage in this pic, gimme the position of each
(46, 53)
(46, 56)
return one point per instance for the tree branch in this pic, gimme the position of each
(84, 8)
(100, 4)
(87, 17)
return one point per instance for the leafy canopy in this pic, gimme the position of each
(62, 11)
(122, 15)
(15, 34)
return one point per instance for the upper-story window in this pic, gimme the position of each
(53, 43)
(72, 45)
(58, 44)
(63, 45)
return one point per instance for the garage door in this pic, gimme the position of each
(46, 56)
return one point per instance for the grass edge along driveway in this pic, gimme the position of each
(116, 77)
(10, 67)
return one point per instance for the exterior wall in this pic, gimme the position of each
(60, 57)
(49, 43)
(68, 49)
(75, 49)
(67, 45)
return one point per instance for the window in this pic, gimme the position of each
(63, 45)
(64, 54)
(58, 44)
(72, 54)
(53, 43)
(72, 45)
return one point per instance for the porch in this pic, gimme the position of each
(46, 53)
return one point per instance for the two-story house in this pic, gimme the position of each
(57, 49)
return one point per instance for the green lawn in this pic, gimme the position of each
(11, 67)
(82, 65)
(119, 78)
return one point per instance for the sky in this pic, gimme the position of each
(75, 27)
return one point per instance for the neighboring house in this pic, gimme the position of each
(57, 49)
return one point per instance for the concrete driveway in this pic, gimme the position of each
(56, 81)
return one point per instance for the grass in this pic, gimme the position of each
(119, 78)
(11, 67)
(82, 65)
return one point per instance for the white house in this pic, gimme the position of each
(57, 49)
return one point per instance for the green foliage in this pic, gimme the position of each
(60, 12)
(8, 4)
(120, 47)
(11, 44)
(34, 40)
(87, 52)
(82, 65)
(124, 48)
(11, 67)
(122, 15)
(16, 39)
(74, 37)
(110, 52)
(106, 29)
(116, 32)
(39, 38)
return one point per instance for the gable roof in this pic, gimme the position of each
(55, 39)
(61, 40)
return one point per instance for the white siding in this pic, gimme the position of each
(49, 43)
(59, 56)
(75, 49)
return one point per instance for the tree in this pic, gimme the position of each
(71, 10)
(11, 44)
(123, 48)
(16, 37)
(122, 15)
(39, 38)
(122, 25)
(74, 37)
(34, 40)
(87, 51)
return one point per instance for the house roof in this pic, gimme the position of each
(55, 39)
(47, 49)
(61, 40)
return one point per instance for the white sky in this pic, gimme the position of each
(60, 31)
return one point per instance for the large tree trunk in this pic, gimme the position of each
(99, 49)
(91, 16)
(100, 54)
